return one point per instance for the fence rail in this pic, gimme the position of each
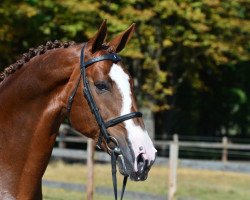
(225, 148)
(209, 145)
(164, 144)
(63, 152)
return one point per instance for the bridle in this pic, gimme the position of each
(104, 134)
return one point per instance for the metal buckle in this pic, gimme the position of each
(116, 150)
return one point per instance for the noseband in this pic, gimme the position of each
(104, 134)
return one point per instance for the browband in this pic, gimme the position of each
(112, 56)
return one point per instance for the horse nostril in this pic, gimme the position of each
(141, 163)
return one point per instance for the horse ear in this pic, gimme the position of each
(96, 42)
(120, 41)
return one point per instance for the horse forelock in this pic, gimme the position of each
(33, 52)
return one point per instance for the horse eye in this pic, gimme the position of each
(102, 87)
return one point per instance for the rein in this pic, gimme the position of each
(104, 134)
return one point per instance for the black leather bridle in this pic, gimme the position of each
(104, 134)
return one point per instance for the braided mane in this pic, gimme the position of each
(32, 53)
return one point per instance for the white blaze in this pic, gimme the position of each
(136, 135)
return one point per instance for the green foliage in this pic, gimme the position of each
(182, 52)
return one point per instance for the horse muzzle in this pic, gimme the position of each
(136, 168)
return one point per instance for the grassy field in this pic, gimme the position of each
(192, 184)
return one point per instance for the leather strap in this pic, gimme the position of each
(124, 183)
(113, 171)
(114, 178)
(112, 56)
(71, 97)
(122, 118)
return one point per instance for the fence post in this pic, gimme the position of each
(173, 162)
(90, 169)
(224, 151)
(176, 138)
(62, 135)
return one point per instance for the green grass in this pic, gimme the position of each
(60, 194)
(195, 184)
(213, 185)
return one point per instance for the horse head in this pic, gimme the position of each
(111, 87)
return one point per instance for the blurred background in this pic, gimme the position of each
(190, 60)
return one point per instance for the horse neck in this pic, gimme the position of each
(31, 103)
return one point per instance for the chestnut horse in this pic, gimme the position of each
(45, 86)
